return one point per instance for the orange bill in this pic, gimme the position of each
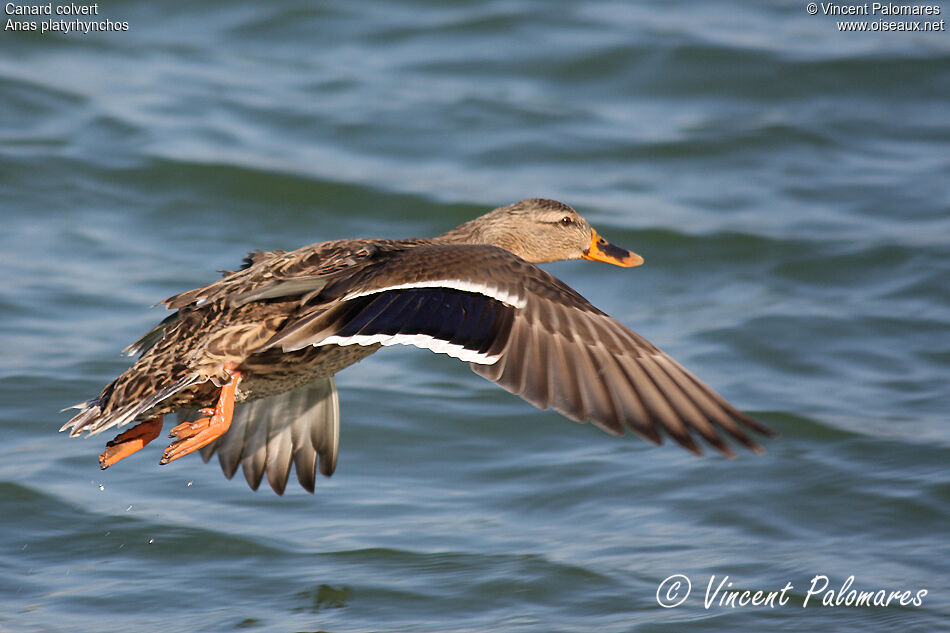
(603, 251)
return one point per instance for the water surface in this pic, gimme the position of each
(786, 184)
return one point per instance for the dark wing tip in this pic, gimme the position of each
(253, 476)
(685, 439)
(307, 481)
(716, 441)
(326, 466)
(598, 370)
(278, 485)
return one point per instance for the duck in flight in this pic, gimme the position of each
(247, 362)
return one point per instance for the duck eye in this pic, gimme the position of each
(566, 220)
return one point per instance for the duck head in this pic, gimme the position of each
(539, 231)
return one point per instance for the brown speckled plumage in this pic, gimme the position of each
(291, 320)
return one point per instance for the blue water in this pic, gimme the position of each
(785, 182)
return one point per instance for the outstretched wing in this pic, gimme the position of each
(529, 332)
(298, 428)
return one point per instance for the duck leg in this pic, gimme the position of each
(194, 435)
(131, 441)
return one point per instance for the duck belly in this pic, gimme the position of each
(274, 371)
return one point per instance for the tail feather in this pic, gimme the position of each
(92, 419)
(88, 412)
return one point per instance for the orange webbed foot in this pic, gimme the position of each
(130, 442)
(194, 435)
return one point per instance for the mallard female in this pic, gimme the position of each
(270, 336)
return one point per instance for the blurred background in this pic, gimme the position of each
(787, 184)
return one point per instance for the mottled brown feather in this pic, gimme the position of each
(553, 348)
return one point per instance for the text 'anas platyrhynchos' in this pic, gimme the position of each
(248, 361)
